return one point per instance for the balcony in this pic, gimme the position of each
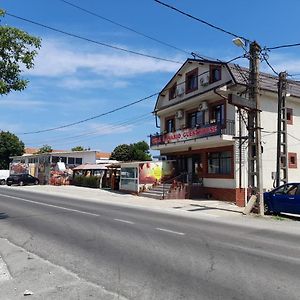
(190, 134)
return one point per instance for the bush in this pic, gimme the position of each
(91, 181)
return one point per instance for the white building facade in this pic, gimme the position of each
(199, 129)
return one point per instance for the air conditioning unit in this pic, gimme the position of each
(204, 80)
(179, 114)
(203, 106)
(179, 91)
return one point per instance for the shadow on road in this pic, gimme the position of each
(206, 207)
(3, 216)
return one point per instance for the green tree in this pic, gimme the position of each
(10, 145)
(17, 50)
(122, 153)
(78, 148)
(45, 149)
(140, 151)
(133, 152)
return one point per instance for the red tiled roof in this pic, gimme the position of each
(102, 155)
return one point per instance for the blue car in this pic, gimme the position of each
(283, 199)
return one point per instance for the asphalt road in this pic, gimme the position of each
(142, 254)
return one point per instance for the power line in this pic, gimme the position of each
(125, 27)
(202, 21)
(94, 134)
(283, 46)
(91, 118)
(93, 41)
(270, 66)
(116, 109)
(104, 127)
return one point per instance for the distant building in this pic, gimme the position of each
(53, 167)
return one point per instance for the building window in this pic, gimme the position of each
(191, 81)
(55, 159)
(195, 119)
(71, 160)
(215, 73)
(170, 125)
(289, 116)
(220, 163)
(63, 159)
(78, 161)
(292, 160)
(172, 91)
(217, 114)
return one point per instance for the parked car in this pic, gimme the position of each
(4, 174)
(283, 199)
(22, 179)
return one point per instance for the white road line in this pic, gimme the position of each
(170, 231)
(124, 221)
(51, 205)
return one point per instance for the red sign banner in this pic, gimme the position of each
(185, 134)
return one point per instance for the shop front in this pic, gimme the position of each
(210, 171)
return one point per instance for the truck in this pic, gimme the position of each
(4, 174)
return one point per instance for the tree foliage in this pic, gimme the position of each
(17, 51)
(133, 152)
(78, 148)
(10, 145)
(122, 153)
(45, 149)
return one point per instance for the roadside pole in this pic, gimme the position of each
(255, 182)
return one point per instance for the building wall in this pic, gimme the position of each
(203, 73)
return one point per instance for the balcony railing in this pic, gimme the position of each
(210, 129)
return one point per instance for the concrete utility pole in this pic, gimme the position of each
(282, 151)
(255, 182)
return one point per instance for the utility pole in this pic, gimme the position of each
(255, 182)
(282, 152)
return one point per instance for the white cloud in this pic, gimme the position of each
(11, 127)
(283, 62)
(76, 83)
(21, 103)
(59, 59)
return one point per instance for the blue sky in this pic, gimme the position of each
(74, 79)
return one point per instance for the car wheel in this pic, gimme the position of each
(36, 182)
(21, 183)
(9, 184)
(2, 182)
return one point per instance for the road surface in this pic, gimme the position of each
(143, 254)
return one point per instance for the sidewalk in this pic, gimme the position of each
(203, 207)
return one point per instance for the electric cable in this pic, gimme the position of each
(91, 118)
(202, 21)
(270, 66)
(93, 41)
(83, 137)
(283, 46)
(113, 110)
(125, 27)
(105, 127)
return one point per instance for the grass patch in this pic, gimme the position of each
(278, 218)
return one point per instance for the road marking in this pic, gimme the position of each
(124, 221)
(170, 231)
(51, 205)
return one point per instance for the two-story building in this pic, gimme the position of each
(200, 128)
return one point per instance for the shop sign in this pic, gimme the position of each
(184, 135)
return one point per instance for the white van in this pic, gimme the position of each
(4, 174)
